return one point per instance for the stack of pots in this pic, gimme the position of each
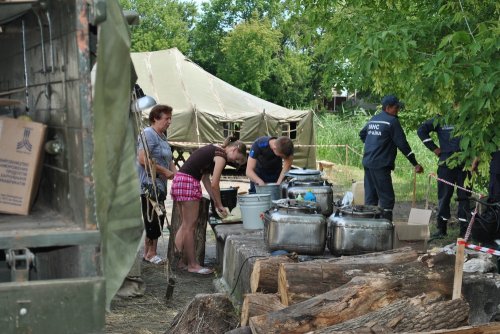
(301, 181)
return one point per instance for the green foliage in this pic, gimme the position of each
(217, 19)
(289, 80)
(163, 24)
(433, 54)
(439, 57)
(249, 55)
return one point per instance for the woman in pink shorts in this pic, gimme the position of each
(186, 191)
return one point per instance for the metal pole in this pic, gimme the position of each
(25, 67)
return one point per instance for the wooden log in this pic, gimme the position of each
(301, 281)
(490, 328)
(361, 295)
(240, 330)
(259, 303)
(353, 299)
(408, 315)
(200, 232)
(206, 313)
(264, 276)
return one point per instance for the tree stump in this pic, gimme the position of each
(206, 313)
(264, 276)
(200, 232)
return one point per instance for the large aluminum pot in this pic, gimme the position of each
(304, 174)
(358, 230)
(295, 226)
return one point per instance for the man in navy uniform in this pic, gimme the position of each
(382, 136)
(457, 175)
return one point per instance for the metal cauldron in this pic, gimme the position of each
(295, 226)
(359, 229)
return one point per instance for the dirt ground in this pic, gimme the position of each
(152, 313)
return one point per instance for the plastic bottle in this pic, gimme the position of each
(309, 196)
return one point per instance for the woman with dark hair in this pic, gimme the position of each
(186, 192)
(154, 166)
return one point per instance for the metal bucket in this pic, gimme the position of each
(252, 206)
(269, 188)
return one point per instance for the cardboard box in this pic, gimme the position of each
(21, 154)
(415, 232)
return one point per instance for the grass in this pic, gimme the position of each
(336, 130)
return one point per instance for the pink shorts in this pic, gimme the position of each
(185, 188)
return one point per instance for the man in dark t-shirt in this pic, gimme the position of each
(270, 158)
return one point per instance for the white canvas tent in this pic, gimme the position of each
(207, 109)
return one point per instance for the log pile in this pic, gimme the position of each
(387, 292)
(395, 291)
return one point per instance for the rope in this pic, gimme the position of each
(454, 185)
(479, 248)
(474, 213)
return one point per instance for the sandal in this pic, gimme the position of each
(156, 260)
(202, 271)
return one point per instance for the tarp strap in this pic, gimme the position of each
(265, 121)
(197, 125)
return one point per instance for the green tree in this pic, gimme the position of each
(289, 82)
(163, 24)
(218, 18)
(433, 54)
(249, 52)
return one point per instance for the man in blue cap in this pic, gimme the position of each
(448, 144)
(382, 136)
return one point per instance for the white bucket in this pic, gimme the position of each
(252, 206)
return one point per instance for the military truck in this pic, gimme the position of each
(61, 264)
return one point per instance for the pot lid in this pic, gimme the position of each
(299, 205)
(295, 172)
(361, 210)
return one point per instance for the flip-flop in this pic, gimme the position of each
(202, 271)
(156, 260)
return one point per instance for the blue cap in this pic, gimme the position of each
(391, 100)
